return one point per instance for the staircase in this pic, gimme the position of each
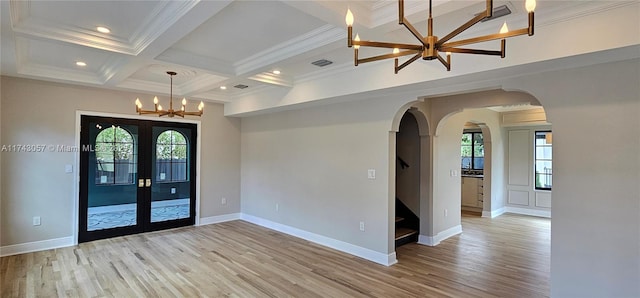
(407, 225)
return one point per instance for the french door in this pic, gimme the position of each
(135, 176)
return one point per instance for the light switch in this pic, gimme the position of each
(68, 168)
(173, 190)
(371, 174)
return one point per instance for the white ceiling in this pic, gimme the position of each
(209, 43)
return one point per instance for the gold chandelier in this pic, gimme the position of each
(170, 112)
(430, 46)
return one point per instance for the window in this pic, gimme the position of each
(115, 160)
(543, 170)
(472, 151)
(171, 157)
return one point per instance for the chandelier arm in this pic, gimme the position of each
(485, 38)
(388, 45)
(473, 51)
(387, 56)
(414, 31)
(446, 63)
(191, 113)
(461, 29)
(144, 112)
(403, 65)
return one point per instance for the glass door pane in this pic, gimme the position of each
(112, 200)
(171, 192)
(109, 193)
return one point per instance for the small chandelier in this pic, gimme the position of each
(170, 112)
(430, 46)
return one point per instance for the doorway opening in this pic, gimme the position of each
(472, 171)
(407, 202)
(135, 176)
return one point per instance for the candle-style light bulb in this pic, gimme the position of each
(396, 50)
(356, 39)
(184, 101)
(504, 28)
(155, 100)
(530, 5)
(201, 106)
(349, 18)
(138, 103)
(448, 53)
(159, 108)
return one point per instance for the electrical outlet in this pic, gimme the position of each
(223, 201)
(173, 190)
(277, 207)
(446, 212)
(36, 220)
(362, 226)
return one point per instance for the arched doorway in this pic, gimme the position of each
(412, 174)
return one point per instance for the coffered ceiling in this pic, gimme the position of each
(210, 44)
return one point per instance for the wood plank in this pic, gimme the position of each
(505, 256)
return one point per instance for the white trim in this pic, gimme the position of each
(21, 248)
(76, 180)
(218, 219)
(527, 211)
(493, 213)
(365, 253)
(435, 240)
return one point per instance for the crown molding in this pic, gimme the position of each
(296, 46)
(200, 82)
(185, 58)
(158, 21)
(321, 73)
(25, 66)
(270, 78)
(145, 86)
(163, 17)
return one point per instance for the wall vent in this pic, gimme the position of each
(241, 86)
(321, 62)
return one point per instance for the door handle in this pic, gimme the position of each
(140, 182)
(148, 183)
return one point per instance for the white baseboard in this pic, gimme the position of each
(493, 213)
(349, 248)
(21, 248)
(527, 211)
(218, 219)
(435, 240)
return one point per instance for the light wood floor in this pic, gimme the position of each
(506, 256)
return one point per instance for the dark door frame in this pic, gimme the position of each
(195, 207)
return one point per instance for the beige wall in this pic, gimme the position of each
(595, 227)
(313, 163)
(35, 184)
(300, 159)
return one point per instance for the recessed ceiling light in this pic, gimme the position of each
(223, 87)
(81, 63)
(103, 29)
(277, 72)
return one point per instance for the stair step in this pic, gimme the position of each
(404, 232)
(399, 219)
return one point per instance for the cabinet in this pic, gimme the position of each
(472, 191)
